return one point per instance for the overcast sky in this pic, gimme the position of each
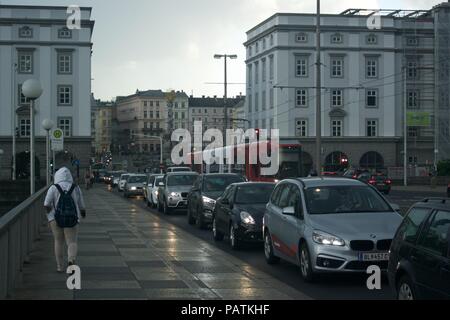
(169, 44)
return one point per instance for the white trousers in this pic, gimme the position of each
(67, 236)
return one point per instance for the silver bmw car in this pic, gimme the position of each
(329, 225)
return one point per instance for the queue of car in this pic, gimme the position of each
(321, 224)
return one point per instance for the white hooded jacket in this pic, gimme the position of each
(64, 179)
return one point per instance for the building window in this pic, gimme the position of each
(257, 47)
(249, 103)
(25, 32)
(145, 114)
(65, 63)
(264, 71)
(372, 68)
(65, 124)
(250, 75)
(336, 98)
(301, 65)
(301, 37)
(23, 101)
(25, 59)
(271, 70)
(413, 99)
(336, 128)
(256, 102)
(264, 44)
(157, 103)
(412, 41)
(264, 100)
(64, 95)
(336, 38)
(271, 39)
(271, 124)
(372, 98)
(271, 98)
(411, 67)
(371, 39)
(372, 128)
(301, 98)
(64, 33)
(301, 127)
(337, 67)
(24, 127)
(413, 132)
(256, 72)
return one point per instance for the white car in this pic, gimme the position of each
(122, 181)
(151, 190)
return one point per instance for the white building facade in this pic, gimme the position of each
(363, 85)
(36, 43)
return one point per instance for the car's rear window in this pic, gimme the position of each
(220, 183)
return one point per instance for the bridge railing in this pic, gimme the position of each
(19, 228)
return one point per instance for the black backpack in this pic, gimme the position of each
(66, 214)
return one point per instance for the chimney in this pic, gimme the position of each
(203, 97)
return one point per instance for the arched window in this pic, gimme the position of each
(372, 160)
(336, 161)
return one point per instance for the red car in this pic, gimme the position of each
(379, 181)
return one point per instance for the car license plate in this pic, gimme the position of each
(375, 256)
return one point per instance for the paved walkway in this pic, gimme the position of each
(439, 190)
(126, 252)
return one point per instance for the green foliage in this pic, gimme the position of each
(444, 168)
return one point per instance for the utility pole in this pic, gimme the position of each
(318, 96)
(13, 120)
(405, 130)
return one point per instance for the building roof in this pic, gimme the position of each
(158, 94)
(213, 102)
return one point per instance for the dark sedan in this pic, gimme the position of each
(202, 198)
(239, 212)
(379, 181)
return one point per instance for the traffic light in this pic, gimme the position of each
(257, 133)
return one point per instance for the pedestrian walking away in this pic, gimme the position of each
(65, 207)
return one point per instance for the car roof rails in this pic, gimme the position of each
(442, 200)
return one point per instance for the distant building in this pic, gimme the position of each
(210, 110)
(101, 125)
(149, 113)
(36, 43)
(362, 74)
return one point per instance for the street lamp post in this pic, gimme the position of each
(48, 125)
(318, 96)
(225, 106)
(32, 90)
(1, 156)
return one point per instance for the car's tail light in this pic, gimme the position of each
(354, 176)
(372, 181)
(388, 181)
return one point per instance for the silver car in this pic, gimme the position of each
(174, 189)
(134, 185)
(151, 191)
(329, 225)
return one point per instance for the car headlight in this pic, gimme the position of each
(133, 188)
(209, 203)
(156, 193)
(247, 218)
(174, 194)
(327, 239)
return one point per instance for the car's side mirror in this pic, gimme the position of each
(289, 211)
(150, 185)
(395, 206)
(161, 184)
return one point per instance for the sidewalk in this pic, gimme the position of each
(128, 253)
(439, 190)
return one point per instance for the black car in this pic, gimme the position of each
(202, 198)
(419, 263)
(239, 212)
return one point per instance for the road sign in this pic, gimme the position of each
(57, 140)
(418, 119)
